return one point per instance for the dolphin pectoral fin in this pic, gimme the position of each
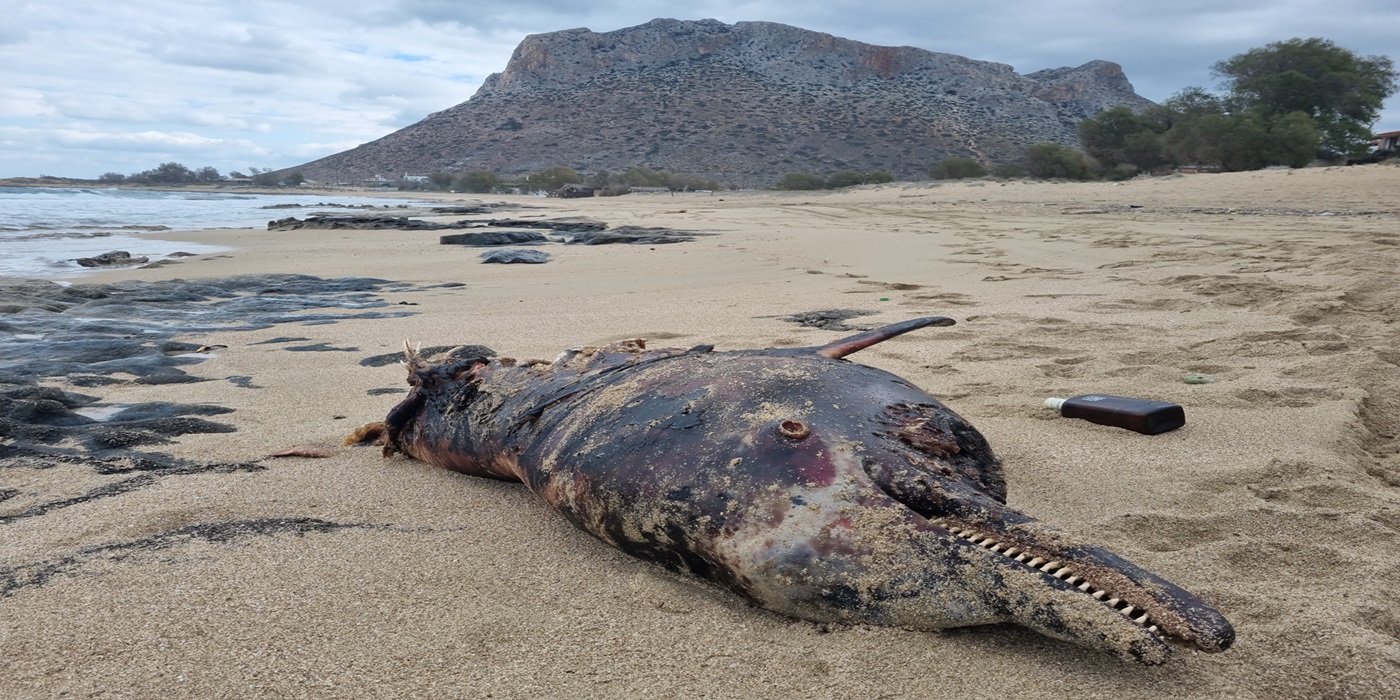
(1050, 583)
(861, 341)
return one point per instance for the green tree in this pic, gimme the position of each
(165, 174)
(208, 174)
(1342, 93)
(293, 179)
(957, 168)
(553, 178)
(442, 181)
(112, 177)
(1051, 160)
(1206, 132)
(802, 181)
(266, 178)
(1121, 140)
(477, 181)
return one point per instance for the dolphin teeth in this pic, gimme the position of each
(1128, 611)
(1142, 620)
(1022, 557)
(1085, 586)
(1153, 628)
(1073, 580)
(1113, 602)
(1051, 566)
(1010, 551)
(1062, 573)
(1100, 594)
(996, 547)
(1036, 562)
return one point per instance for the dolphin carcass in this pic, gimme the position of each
(813, 486)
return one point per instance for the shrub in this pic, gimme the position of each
(957, 168)
(476, 181)
(844, 178)
(802, 181)
(1051, 160)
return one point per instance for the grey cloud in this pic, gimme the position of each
(255, 51)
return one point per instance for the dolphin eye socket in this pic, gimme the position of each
(794, 429)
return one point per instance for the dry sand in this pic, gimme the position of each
(1279, 502)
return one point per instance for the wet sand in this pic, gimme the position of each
(355, 576)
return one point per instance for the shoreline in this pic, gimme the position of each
(325, 577)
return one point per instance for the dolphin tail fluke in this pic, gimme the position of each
(861, 341)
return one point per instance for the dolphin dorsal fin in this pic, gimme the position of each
(861, 341)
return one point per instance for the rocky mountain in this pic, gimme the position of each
(742, 103)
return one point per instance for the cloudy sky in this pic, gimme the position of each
(91, 86)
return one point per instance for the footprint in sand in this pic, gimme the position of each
(1160, 532)
(1289, 397)
(991, 350)
(946, 298)
(1160, 304)
(892, 286)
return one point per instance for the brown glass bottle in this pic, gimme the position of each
(1139, 415)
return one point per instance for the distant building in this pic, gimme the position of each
(415, 178)
(571, 191)
(1388, 141)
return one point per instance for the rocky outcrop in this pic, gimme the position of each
(512, 256)
(743, 103)
(490, 238)
(111, 259)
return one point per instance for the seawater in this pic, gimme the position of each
(43, 230)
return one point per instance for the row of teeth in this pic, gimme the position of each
(1054, 568)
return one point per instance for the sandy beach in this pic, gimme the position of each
(1278, 502)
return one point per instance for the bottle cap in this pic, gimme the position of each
(1054, 404)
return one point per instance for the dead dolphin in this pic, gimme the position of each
(813, 486)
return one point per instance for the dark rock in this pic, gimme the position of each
(490, 238)
(366, 222)
(91, 332)
(320, 347)
(508, 256)
(561, 225)
(115, 257)
(462, 209)
(634, 235)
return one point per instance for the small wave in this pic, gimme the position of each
(59, 234)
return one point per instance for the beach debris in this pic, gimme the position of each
(1198, 379)
(509, 256)
(493, 238)
(111, 259)
(1138, 415)
(814, 487)
(827, 319)
(312, 451)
